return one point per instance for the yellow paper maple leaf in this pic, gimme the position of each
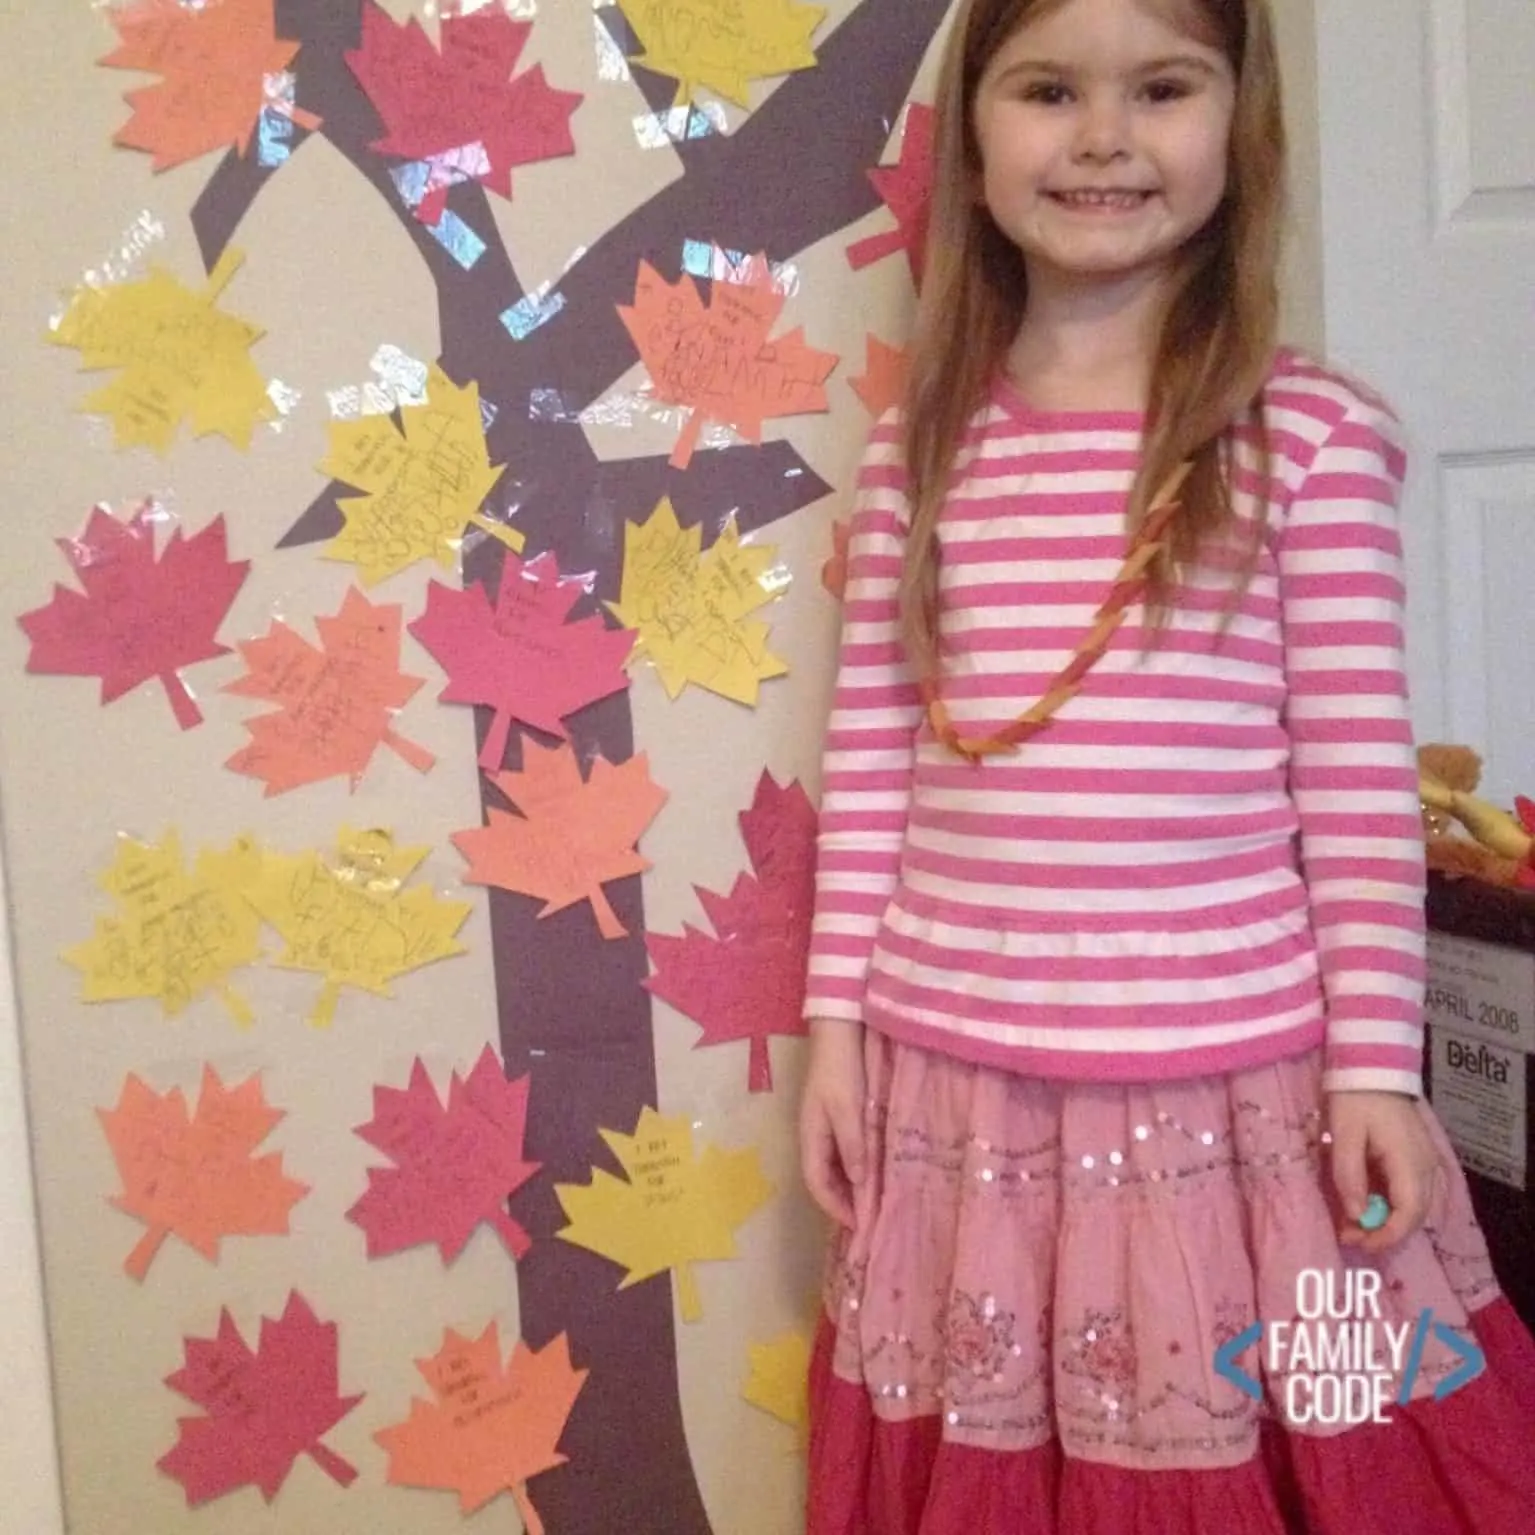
(779, 1379)
(423, 484)
(675, 1209)
(691, 610)
(353, 920)
(180, 933)
(722, 44)
(180, 356)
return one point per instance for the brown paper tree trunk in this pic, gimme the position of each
(572, 1010)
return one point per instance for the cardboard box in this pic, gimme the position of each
(1480, 1010)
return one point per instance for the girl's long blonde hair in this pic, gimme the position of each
(1217, 342)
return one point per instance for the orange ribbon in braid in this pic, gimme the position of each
(1128, 587)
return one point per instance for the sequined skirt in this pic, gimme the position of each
(1021, 1333)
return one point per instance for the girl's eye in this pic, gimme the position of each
(1047, 93)
(1160, 91)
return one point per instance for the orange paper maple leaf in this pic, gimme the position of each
(719, 358)
(214, 59)
(834, 571)
(337, 703)
(195, 1174)
(573, 835)
(883, 380)
(491, 1428)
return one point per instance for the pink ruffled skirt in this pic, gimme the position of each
(1020, 1335)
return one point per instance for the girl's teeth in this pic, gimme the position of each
(1103, 199)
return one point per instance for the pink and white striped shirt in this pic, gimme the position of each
(1212, 857)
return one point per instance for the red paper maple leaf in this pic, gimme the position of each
(433, 102)
(907, 190)
(748, 980)
(264, 1409)
(136, 618)
(523, 656)
(455, 1165)
(337, 702)
(720, 359)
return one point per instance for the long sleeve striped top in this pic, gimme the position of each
(1212, 857)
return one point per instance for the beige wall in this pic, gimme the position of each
(1303, 313)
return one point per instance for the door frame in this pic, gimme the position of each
(1363, 323)
(29, 1458)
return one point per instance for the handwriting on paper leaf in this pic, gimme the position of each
(422, 483)
(196, 1174)
(672, 1209)
(214, 60)
(180, 356)
(719, 358)
(337, 702)
(573, 834)
(178, 933)
(524, 656)
(489, 1427)
(137, 619)
(722, 45)
(355, 920)
(434, 103)
(691, 607)
(747, 981)
(264, 1407)
(456, 1164)
(906, 189)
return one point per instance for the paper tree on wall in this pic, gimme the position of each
(794, 173)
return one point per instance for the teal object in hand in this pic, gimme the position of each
(1376, 1213)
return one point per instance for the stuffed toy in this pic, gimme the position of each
(1500, 848)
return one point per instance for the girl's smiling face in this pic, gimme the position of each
(1104, 130)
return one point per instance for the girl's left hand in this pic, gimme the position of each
(1380, 1145)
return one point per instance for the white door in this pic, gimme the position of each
(1428, 216)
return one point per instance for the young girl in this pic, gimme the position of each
(1117, 971)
